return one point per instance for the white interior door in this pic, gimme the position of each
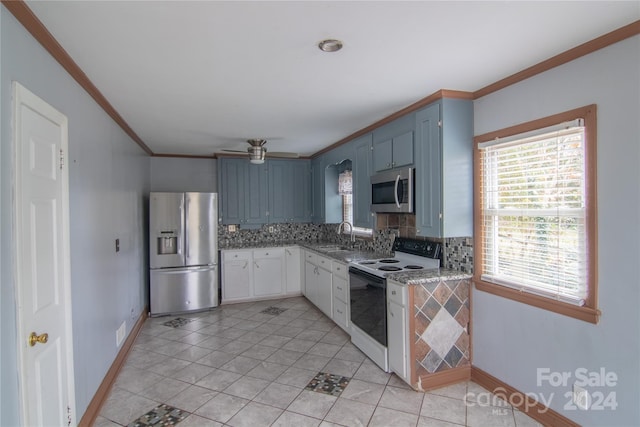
(42, 262)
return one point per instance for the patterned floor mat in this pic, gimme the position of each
(328, 384)
(273, 310)
(177, 322)
(162, 415)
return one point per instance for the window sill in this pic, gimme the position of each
(586, 314)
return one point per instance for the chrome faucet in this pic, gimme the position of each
(340, 228)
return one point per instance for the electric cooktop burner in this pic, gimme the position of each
(389, 268)
(389, 261)
(413, 267)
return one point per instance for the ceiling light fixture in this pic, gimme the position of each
(330, 45)
(257, 154)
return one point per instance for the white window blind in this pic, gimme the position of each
(345, 188)
(533, 212)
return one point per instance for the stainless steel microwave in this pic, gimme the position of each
(392, 191)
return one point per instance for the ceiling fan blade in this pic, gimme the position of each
(283, 154)
(234, 151)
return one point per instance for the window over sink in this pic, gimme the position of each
(345, 189)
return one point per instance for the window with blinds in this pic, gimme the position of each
(535, 204)
(345, 188)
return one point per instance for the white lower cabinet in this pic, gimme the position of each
(325, 300)
(253, 274)
(340, 294)
(293, 270)
(237, 275)
(268, 272)
(397, 332)
(317, 286)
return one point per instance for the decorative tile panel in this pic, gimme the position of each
(441, 315)
(442, 333)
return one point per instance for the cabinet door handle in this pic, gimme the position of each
(287, 251)
(339, 312)
(256, 264)
(339, 288)
(246, 263)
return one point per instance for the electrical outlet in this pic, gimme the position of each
(231, 228)
(271, 229)
(120, 333)
(581, 397)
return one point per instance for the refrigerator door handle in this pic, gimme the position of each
(186, 227)
(182, 270)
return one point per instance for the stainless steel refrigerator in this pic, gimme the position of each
(183, 246)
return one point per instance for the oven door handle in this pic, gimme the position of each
(395, 191)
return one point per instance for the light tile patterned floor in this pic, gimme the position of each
(249, 365)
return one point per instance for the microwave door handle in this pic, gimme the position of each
(395, 191)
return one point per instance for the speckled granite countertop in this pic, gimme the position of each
(342, 255)
(348, 255)
(427, 276)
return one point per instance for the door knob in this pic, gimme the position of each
(42, 339)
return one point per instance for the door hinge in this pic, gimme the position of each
(439, 123)
(69, 420)
(61, 159)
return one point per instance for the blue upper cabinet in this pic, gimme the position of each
(317, 190)
(243, 192)
(301, 210)
(275, 191)
(289, 195)
(362, 170)
(393, 144)
(444, 169)
(231, 177)
(256, 194)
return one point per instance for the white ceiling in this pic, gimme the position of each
(195, 77)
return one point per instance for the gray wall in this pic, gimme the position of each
(109, 184)
(184, 174)
(512, 340)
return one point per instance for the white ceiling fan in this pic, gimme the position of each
(257, 151)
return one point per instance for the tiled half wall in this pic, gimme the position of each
(441, 320)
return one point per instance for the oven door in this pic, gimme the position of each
(368, 295)
(392, 191)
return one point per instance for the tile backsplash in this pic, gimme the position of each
(457, 253)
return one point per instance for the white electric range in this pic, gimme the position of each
(368, 293)
(410, 255)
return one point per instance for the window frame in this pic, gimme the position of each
(589, 311)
